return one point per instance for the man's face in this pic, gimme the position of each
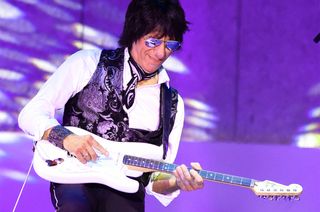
(150, 58)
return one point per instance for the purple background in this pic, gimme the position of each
(249, 75)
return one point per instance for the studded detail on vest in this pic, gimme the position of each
(98, 106)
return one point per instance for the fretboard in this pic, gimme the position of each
(169, 168)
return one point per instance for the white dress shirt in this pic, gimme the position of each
(71, 77)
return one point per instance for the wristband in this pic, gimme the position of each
(57, 135)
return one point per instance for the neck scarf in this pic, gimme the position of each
(138, 74)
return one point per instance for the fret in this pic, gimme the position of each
(135, 161)
(151, 164)
(125, 160)
(204, 174)
(211, 175)
(143, 163)
(218, 177)
(207, 175)
(165, 167)
(246, 182)
(148, 163)
(172, 167)
(156, 164)
(227, 178)
(161, 165)
(236, 180)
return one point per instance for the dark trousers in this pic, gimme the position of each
(95, 198)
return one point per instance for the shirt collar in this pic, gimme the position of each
(163, 75)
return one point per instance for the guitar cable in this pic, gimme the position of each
(22, 187)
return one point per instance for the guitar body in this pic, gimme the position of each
(109, 170)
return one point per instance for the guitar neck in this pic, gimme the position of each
(153, 165)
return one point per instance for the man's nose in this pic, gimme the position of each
(161, 51)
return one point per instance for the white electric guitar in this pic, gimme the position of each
(130, 159)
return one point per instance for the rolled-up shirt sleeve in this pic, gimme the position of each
(69, 78)
(174, 141)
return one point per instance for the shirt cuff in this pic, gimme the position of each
(43, 126)
(165, 200)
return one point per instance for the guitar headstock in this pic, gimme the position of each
(274, 191)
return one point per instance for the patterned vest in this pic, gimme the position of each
(98, 107)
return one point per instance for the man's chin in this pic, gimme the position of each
(152, 69)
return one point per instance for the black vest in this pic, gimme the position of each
(98, 107)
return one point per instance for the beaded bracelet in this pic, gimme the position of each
(155, 176)
(57, 135)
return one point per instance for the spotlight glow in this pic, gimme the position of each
(5, 118)
(175, 65)
(84, 45)
(16, 175)
(314, 113)
(315, 90)
(21, 100)
(10, 75)
(29, 1)
(69, 4)
(199, 122)
(8, 11)
(3, 96)
(194, 134)
(7, 37)
(17, 25)
(11, 137)
(95, 36)
(3, 153)
(196, 104)
(310, 127)
(43, 65)
(204, 115)
(55, 12)
(308, 140)
(14, 55)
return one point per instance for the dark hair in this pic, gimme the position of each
(144, 16)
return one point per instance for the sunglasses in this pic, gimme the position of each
(172, 45)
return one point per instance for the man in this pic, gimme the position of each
(120, 95)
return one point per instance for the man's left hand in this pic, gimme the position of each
(188, 180)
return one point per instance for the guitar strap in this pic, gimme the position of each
(165, 113)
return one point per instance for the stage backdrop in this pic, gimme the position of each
(248, 72)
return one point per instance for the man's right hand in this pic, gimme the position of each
(83, 147)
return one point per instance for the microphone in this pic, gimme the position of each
(317, 38)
